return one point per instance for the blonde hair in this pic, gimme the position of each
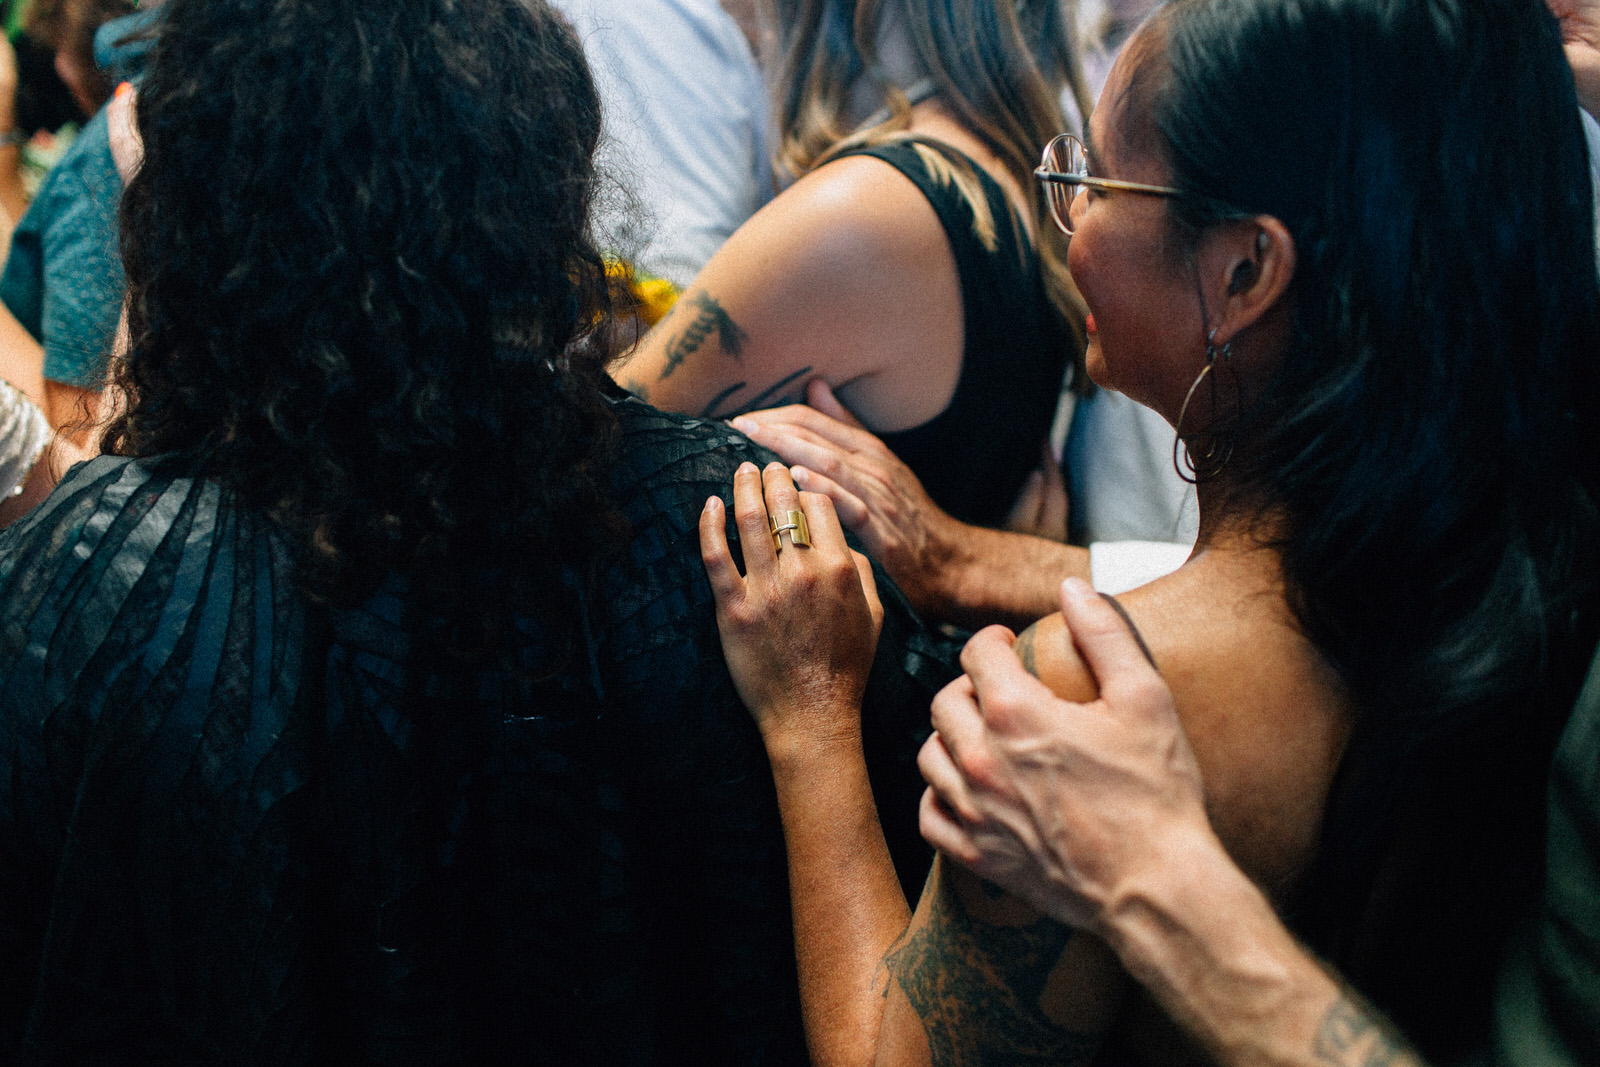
(999, 65)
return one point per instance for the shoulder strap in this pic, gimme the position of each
(977, 215)
(1132, 629)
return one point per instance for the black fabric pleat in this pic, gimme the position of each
(234, 829)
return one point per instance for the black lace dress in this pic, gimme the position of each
(236, 830)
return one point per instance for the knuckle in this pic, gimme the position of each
(978, 767)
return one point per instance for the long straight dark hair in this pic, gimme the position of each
(1431, 435)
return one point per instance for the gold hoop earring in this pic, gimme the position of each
(1217, 449)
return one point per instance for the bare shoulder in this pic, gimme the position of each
(1046, 649)
(856, 225)
(846, 276)
(864, 203)
(1267, 717)
(848, 272)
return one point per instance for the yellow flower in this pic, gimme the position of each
(653, 296)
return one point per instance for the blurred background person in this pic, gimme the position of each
(685, 127)
(63, 283)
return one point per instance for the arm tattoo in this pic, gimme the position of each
(709, 318)
(714, 410)
(710, 410)
(1025, 651)
(1352, 1036)
(976, 988)
(765, 399)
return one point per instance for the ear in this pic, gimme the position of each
(1245, 271)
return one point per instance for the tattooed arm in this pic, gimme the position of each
(980, 978)
(1209, 947)
(847, 276)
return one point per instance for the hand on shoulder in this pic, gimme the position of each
(1067, 794)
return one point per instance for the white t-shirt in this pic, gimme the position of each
(686, 150)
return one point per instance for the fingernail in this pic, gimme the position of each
(776, 466)
(1077, 589)
(747, 468)
(713, 503)
(744, 425)
(800, 475)
(124, 89)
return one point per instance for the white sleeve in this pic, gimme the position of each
(1117, 566)
(24, 431)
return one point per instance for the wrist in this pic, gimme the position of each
(952, 560)
(1184, 880)
(1207, 943)
(801, 749)
(1012, 578)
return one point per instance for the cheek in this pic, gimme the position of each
(1093, 260)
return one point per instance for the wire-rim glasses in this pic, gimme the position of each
(1065, 169)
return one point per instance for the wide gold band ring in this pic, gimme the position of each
(795, 525)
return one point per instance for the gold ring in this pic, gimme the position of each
(799, 532)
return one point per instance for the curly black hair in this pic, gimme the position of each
(363, 295)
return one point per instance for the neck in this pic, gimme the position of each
(1227, 515)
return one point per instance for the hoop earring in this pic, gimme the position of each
(1216, 448)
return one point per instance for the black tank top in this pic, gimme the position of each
(974, 456)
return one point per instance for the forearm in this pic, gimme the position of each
(22, 359)
(846, 898)
(994, 576)
(13, 198)
(1210, 948)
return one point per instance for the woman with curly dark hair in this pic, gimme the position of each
(365, 702)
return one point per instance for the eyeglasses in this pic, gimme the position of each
(1065, 168)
